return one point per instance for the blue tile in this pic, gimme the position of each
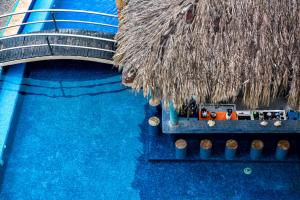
(94, 147)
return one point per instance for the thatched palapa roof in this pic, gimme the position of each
(216, 50)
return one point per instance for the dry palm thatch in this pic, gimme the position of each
(231, 48)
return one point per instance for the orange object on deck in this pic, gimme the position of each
(220, 116)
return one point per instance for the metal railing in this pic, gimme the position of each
(50, 45)
(55, 21)
(58, 34)
(44, 41)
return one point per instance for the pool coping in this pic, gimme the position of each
(8, 98)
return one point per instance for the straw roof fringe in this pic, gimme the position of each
(247, 48)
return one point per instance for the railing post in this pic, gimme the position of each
(49, 46)
(54, 21)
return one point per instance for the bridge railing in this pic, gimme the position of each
(81, 41)
(50, 45)
(57, 44)
(46, 35)
(53, 19)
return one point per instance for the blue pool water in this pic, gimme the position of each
(81, 135)
(79, 141)
(103, 6)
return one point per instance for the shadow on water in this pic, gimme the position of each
(30, 83)
(64, 70)
(212, 180)
(90, 79)
(95, 93)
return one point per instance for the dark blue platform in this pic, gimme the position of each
(194, 126)
(160, 147)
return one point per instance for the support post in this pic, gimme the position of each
(256, 149)
(150, 94)
(154, 125)
(154, 106)
(173, 115)
(49, 46)
(282, 149)
(180, 149)
(205, 149)
(230, 149)
(54, 21)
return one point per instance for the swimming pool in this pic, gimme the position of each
(69, 140)
(81, 135)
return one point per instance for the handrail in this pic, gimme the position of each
(55, 21)
(52, 21)
(58, 34)
(45, 43)
(57, 45)
(59, 10)
(55, 57)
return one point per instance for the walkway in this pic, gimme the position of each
(64, 44)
